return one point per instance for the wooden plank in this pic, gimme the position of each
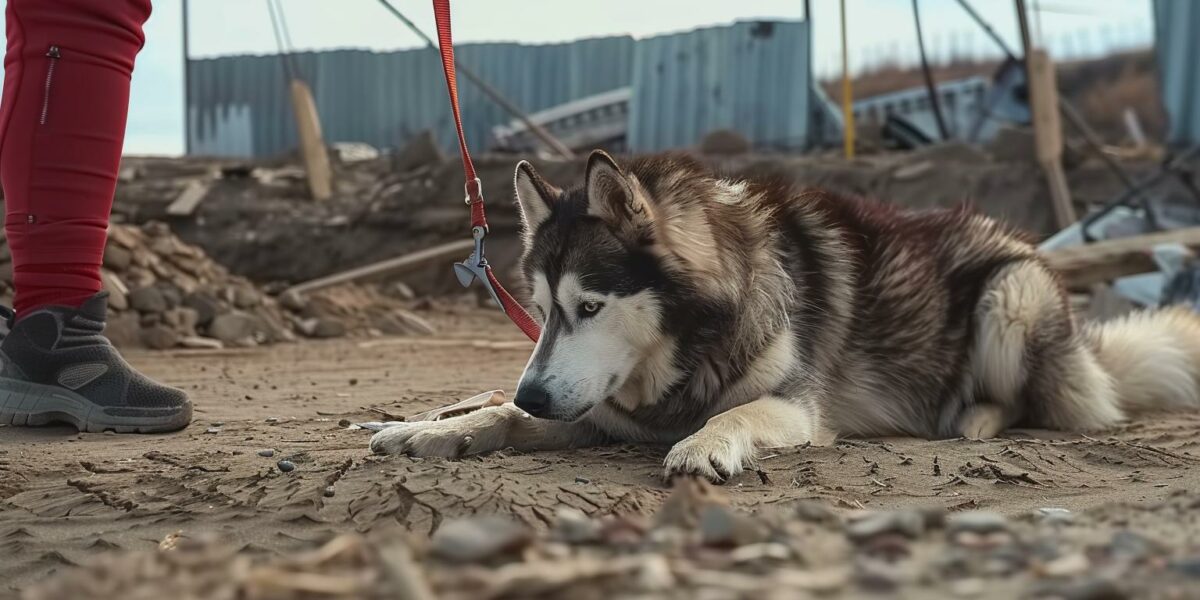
(1083, 266)
(187, 201)
(1047, 129)
(312, 145)
(392, 266)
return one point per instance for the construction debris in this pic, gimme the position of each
(164, 293)
(1083, 266)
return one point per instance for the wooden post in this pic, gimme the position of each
(847, 94)
(1047, 129)
(312, 145)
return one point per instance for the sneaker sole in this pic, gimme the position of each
(33, 405)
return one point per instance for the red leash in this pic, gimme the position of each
(476, 265)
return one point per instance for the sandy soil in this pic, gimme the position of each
(67, 497)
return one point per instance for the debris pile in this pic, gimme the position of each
(696, 546)
(164, 293)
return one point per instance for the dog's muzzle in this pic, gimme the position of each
(533, 399)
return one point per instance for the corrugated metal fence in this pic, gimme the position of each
(752, 77)
(1177, 42)
(238, 105)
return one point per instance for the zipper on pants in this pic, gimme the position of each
(53, 54)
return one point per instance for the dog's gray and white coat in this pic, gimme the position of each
(726, 316)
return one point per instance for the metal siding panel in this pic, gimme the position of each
(1178, 47)
(686, 85)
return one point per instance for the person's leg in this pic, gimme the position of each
(66, 98)
(62, 126)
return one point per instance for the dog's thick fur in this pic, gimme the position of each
(726, 316)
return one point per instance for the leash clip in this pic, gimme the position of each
(467, 196)
(476, 265)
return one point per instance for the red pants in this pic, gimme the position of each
(62, 125)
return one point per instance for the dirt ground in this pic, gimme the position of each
(67, 497)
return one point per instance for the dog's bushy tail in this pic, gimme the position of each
(1153, 358)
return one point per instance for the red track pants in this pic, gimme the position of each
(62, 125)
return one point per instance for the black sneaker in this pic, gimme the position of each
(56, 366)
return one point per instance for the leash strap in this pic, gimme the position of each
(476, 266)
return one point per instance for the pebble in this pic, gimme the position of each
(213, 430)
(1131, 546)
(1056, 516)
(478, 538)
(329, 491)
(574, 527)
(272, 419)
(1187, 566)
(286, 466)
(978, 521)
(1067, 566)
(582, 480)
(218, 424)
(1088, 589)
(908, 523)
(268, 453)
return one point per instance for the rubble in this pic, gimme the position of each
(164, 293)
(697, 546)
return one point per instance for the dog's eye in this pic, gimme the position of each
(588, 309)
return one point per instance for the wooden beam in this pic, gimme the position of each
(312, 145)
(1047, 131)
(1082, 266)
(187, 201)
(389, 267)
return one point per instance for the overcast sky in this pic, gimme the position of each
(878, 29)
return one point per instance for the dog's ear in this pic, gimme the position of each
(534, 197)
(612, 197)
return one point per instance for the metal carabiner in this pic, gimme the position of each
(476, 266)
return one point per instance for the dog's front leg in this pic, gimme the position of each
(485, 430)
(731, 439)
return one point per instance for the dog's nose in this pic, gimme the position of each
(533, 399)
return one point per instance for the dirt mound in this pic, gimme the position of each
(696, 545)
(164, 293)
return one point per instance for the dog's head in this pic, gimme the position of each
(594, 262)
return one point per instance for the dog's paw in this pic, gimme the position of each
(423, 439)
(705, 455)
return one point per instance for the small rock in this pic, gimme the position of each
(1056, 516)
(907, 523)
(293, 301)
(402, 291)
(1068, 565)
(170, 295)
(813, 511)
(213, 430)
(218, 424)
(582, 480)
(207, 307)
(1130, 546)
(353, 381)
(123, 330)
(195, 341)
(478, 538)
(268, 453)
(116, 257)
(1088, 589)
(147, 300)
(574, 527)
(272, 419)
(160, 337)
(323, 327)
(236, 328)
(1187, 566)
(245, 296)
(286, 466)
(977, 521)
(721, 526)
(329, 491)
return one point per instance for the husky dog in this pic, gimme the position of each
(727, 316)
